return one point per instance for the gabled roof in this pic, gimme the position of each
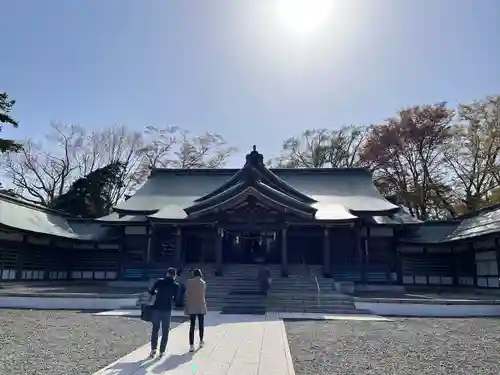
(254, 180)
(335, 193)
(255, 170)
(20, 215)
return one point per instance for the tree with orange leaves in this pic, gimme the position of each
(406, 156)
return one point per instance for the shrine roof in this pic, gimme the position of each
(335, 193)
(399, 217)
(484, 222)
(115, 218)
(21, 215)
(429, 232)
(481, 223)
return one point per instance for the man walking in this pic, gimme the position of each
(166, 291)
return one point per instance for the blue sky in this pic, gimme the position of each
(229, 66)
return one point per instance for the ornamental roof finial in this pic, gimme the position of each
(254, 158)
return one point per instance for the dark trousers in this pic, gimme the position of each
(201, 326)
(264, 286)
(160, 318)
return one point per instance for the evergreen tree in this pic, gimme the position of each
(5, 118)
(90, 196)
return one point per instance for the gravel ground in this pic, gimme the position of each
(401, 347)
(36, 342)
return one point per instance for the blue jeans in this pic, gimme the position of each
(160, 318)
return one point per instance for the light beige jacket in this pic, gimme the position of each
(195, 302)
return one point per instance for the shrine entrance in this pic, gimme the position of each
(251, 247)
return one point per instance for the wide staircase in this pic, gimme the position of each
(236, 292)
(305, 290)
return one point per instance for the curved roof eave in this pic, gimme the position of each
(241, 196)
(286, 199)
(135, 212)
(235, 179)
(217, 199)
(388, 211)
(289, 189)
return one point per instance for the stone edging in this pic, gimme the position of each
(428, 301)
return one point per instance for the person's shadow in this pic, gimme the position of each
(171, 362)
(155, 365)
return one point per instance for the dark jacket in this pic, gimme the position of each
(182, 292)
(166, 291)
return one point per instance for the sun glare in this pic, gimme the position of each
(304, 17)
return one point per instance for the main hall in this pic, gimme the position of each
(334, 218)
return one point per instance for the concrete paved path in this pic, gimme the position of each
(235, 345)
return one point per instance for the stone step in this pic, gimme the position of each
(240, 301)
(302, 296)
(324, 311)
(245, 310)
(311, 303)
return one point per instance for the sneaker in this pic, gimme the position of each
(202, 344)
(161, 354)
(152, 354)
(191, 348)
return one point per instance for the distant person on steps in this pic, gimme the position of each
(166, 291)
(264, 278)
(195, 306)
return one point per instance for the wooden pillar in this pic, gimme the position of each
(284, 252)
(366, 253)
(21, 255)
(178, 249)
(455, 259)
(69, 254)
(497, 248)
(471, 250)
(218, 252)
(398, 266)
(49, 253)
(121, 253)
(327, 259)
(119, 258)
(149, 249)
(360, 251)
(426, 258)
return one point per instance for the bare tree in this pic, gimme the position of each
(472, 154)
(44, 170)
(209, 150)
(322, 148)
(172, 147)
(160, 145)
(111, 145)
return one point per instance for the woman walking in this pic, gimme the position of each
(196, 306)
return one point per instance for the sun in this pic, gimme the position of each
(304, 17)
